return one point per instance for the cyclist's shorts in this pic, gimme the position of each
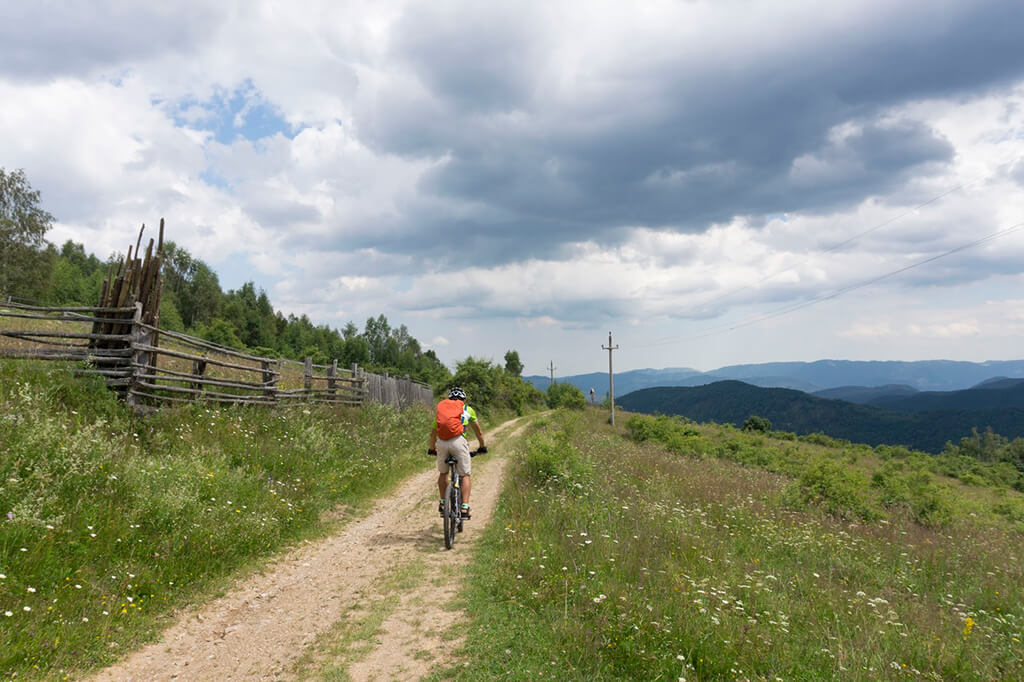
(459, 447)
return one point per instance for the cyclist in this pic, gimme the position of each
(458, 446)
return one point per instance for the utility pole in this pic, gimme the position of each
(551, 369)
(611, 377)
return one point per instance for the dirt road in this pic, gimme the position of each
(372, 600)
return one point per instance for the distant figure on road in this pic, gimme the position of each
(591, 396)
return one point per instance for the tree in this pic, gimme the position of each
(23, 227)
(565, 395)
(755, 423)
(377, 332)
(512, 363)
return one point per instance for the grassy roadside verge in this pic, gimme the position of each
(110, 522)
(611, 559)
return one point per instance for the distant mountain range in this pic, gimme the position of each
(925, 375)
(920, 420)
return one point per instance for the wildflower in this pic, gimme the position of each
(8, 614)
(31, 589)
(27, 608)
(969, 624)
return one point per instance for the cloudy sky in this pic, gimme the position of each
(715, 182)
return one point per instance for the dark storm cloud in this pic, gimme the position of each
(43, 40)
(686, 142)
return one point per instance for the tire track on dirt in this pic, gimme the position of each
(259, 629)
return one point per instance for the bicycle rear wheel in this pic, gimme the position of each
(457, 505)
(449, 516)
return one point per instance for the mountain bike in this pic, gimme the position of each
(452, 509)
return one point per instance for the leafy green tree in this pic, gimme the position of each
(512, 363)
(475, 377)
(565, 395)
(24, 259)
(170, 318)
(195, 286)
(357, 351)
(490, 386)
(755, 423)
(222, 333)
(377, 332)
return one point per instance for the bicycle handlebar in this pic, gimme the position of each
(431, 452)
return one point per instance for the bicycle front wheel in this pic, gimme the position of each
(449, 516)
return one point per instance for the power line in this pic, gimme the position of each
(785, 310)
(843, 243)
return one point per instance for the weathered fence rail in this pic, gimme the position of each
(184, 368)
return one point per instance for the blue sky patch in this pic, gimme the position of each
(229, 114)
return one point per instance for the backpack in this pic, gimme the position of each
(449, 419)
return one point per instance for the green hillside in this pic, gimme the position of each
(733, 402)
(669, 550)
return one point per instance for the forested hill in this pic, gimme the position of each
(1008, 393)
(789, 410)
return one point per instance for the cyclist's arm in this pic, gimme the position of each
(479, 434)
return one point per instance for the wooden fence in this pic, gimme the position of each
(117, 344)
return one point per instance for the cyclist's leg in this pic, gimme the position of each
(461, 448)
(442, 467)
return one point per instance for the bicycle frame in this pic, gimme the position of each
(452, 503)
(452, 512)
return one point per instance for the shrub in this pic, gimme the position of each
(565, 395)
(915, 490)
(820, 438)
(552, 458)
(843, 491)
(755, 423)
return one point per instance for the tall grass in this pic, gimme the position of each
(613, 559)
(108, 522)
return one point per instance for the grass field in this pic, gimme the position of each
(615, 559)
(665, 550)
(108, 522)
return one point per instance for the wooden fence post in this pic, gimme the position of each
(308, 378)
(269, 381)
(199, 370)
(332, 373)
(138, 337)
(356, 384)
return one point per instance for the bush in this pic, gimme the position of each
(673, 432)
(915, 490)
(565, 395)
(552, 458)
(843, 491)
(755, 423)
